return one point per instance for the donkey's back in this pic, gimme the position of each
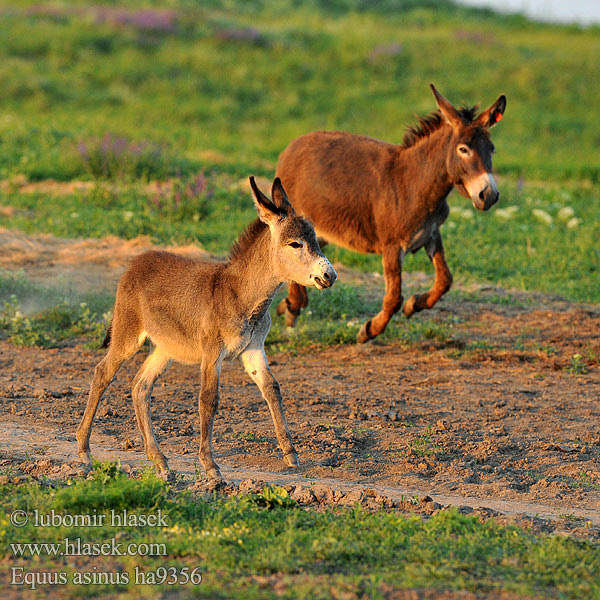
(337, 180)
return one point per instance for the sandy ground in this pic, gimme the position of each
(494, 417)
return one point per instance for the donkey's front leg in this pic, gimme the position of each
(208, 402)
(441, 284)
(256, 365)
(392, 272)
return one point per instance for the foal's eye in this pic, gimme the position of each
(295, 244)
(462, 149)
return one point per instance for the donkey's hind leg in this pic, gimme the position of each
(143, 383)
(256, 365)
(292, 305)
(441, 284)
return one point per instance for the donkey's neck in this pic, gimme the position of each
(253, 275)
(431, 184)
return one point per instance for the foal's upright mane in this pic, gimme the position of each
(247, 238)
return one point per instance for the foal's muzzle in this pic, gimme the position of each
(325, 279)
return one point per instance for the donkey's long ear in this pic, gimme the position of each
(448, 111)
(489, 117)
(267, 211)
(280, 198)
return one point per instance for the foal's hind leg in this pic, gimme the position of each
(118, 352)
(392, 301)
(297, 298)
(256, 365)
(441, 284)
(143, 383)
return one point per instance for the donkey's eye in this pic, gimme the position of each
(295, 244)
(463, 149)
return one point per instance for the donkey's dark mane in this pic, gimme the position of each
(247, 238)
(432, 122)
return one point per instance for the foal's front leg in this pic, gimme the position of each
(256, 365)
(392, 301)
(208, 402)
(441, 284)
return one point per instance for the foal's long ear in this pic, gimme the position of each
(267, 211)
(280, 198)
(448, 111)
(489, 117)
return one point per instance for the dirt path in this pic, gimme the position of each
(505, 413)
(59, 448)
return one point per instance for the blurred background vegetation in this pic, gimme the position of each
(197, 96)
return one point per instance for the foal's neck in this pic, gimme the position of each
(433, 183)
(254, 275)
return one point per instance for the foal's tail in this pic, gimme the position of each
(106, 342)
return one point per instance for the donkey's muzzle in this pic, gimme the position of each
(483, 191)
(486, 198)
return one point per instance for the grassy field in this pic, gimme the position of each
(263, 546)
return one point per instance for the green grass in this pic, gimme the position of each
(208, 83)
(245, 550)
(34, 315)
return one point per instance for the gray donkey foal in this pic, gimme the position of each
(197, 312)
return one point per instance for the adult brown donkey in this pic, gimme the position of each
(375, 197)
(197, 312)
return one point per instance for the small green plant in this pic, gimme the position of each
(423, 445)
(274, 496)
(577, 365)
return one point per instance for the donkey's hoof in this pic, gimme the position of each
(282, 307)
(290, 318)
(409, 308)
(364, 335)
(291, 460)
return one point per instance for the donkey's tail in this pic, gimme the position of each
(106, 342)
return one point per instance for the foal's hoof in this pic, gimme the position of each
(364, 335)
(166, 475)
(291, 460)
(85, 457)
(161, 464)
(214, 475)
